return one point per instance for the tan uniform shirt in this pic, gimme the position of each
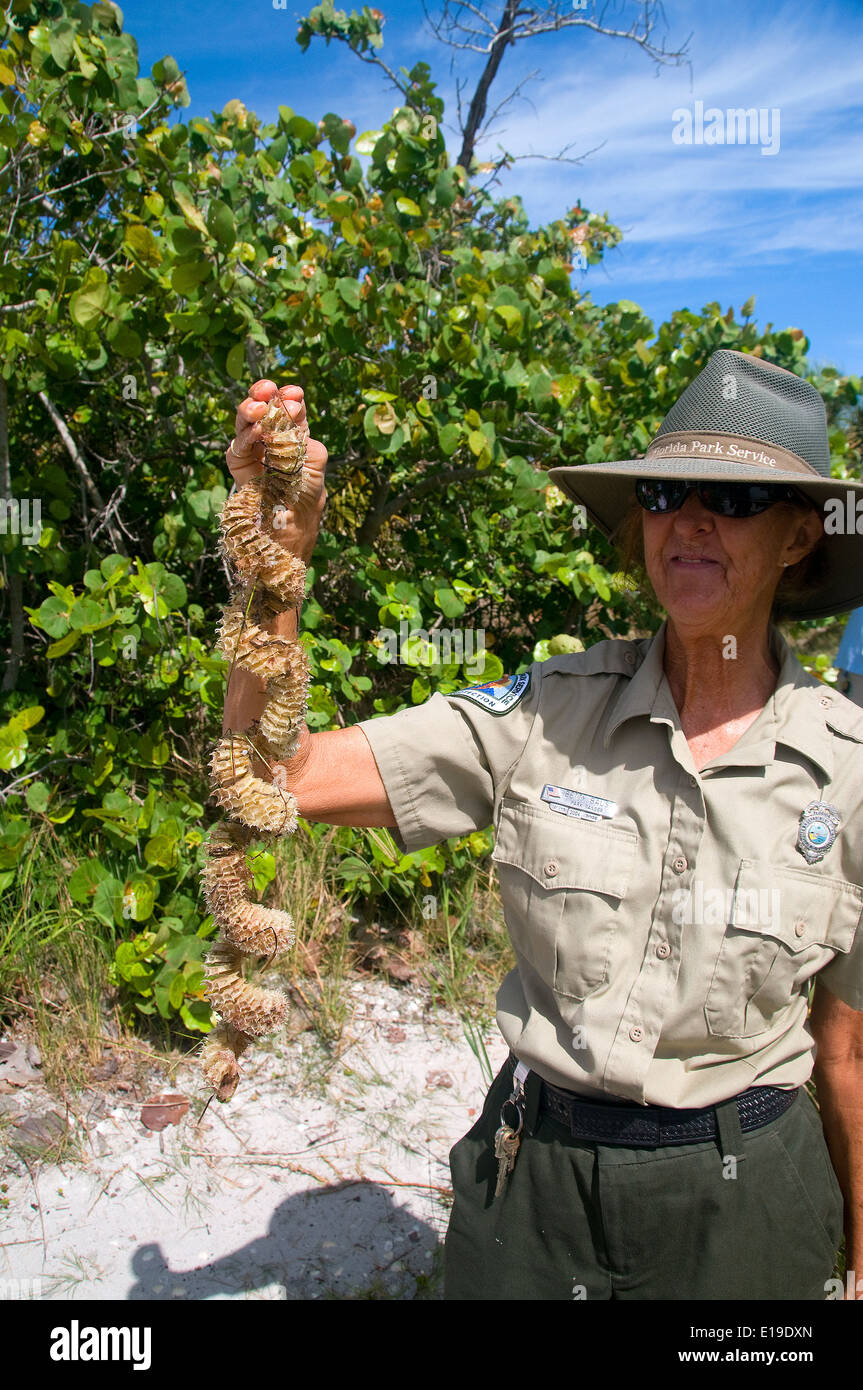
(664, 948)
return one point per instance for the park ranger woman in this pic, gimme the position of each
(651, 1136)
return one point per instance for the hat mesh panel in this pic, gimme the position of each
(736, 394)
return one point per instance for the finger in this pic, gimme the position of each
(316, 457)
(295, 405)
(263, 390)
(248, 412)
(242, 472)
(255, 404)
(247, 438)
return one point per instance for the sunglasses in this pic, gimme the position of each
(724, 499)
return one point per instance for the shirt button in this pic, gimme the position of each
(629, 658)
(663, 950)
(678, 864)
(825, 701)
(693, 781)
(551, 868)
(799, 928)
(636, 1034)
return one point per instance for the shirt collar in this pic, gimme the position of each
(798, 723)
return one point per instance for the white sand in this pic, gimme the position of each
(320, 1178)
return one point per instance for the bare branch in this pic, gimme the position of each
(37, 772)
(83, 471)
(54, 212)
(381, 510)
(477, 108)
(13, 585)
(465, 25)
(379, 63)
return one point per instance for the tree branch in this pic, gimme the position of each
(381, 510)
(523, 21)
(479, 102)
(83, 471)
(16, 595)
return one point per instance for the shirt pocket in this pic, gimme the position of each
(785, 925)
(562, 882)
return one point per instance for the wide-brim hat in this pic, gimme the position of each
(742, 419)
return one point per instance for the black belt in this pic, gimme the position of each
(650, 1126)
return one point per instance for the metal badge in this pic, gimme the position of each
(819, 824)
(580, 804)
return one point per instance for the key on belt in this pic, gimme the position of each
(508, 1136)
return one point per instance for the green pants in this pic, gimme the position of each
(594, 1221)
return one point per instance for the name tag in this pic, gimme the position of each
(579, 804)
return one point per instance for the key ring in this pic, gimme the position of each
(519, 1112)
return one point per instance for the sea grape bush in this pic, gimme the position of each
(153, 267)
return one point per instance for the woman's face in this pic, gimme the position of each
(718, 574)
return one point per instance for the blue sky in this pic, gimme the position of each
(701, 222)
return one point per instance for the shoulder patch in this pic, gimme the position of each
(499, 696)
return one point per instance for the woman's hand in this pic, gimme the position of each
(245, 454)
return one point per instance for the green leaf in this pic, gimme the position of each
(60, 42)
(37, 796)
(262, 866)
(161, 852)
(476, 442)
(26, 718)
(139, 897)
(236, 361)
(187, 275)
(171, 588)
(88, 305)
(63, 646)
(408, 206)
(108, 902)
(349, 291)
(220, 221)
(125, 340)
(448, 602)
(365, 143)
(84, 613)
(511, 317)
(197, 1015)
(351, 868)
(449, 437)
(487, 667)
(142, 244)
(185, 202)
(165, 70)
(85, 879)
(177, 991)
